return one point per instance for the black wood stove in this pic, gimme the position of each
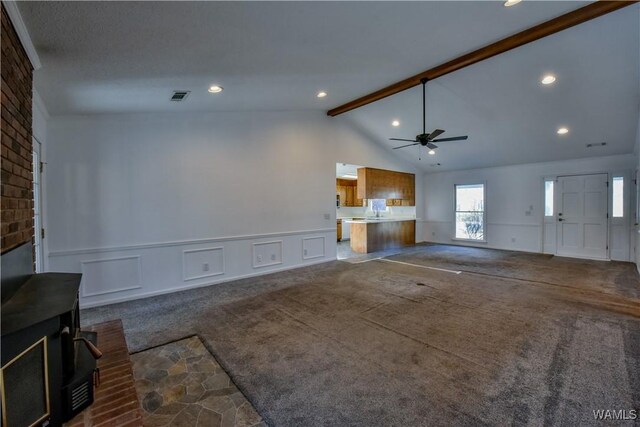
(48, 363)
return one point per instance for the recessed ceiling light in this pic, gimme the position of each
(432, 152)
(548, 79)
(511, 2)
(215, 89)
(563, 131)
(321, 94)
(395, 123)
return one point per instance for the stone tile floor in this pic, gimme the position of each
(181, 384)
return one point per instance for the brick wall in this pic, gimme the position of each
(16, 201)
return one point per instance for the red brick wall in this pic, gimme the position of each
(16, 201)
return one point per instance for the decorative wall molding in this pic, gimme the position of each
(185, 255)
(274, 244)
(321, 255)
(506, 224)
(500, 224)
(183, 242)
(163, 269)
(137, 284)
(170, 290)
(21, 29)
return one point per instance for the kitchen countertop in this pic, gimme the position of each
(374, 220)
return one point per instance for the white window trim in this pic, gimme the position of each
(553, 180)
(484, 215)
(625, 183)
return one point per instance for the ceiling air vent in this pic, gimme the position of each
(598, 144)
(180, 95)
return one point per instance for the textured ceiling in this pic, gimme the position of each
(118, 57)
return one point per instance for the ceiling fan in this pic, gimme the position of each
(427, 139)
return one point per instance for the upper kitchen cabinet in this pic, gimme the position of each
(347, 191)
(384, 184)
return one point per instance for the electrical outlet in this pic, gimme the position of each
(259, 258)
(433, 234)
(513, 240)
(273, 257)
(327, 216)
(304, 252)
(205, 266)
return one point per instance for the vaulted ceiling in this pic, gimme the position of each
(119, 57)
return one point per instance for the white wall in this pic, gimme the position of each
(511, 191)
(635, 230)
(129, 194)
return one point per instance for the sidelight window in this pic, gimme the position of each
(548, 198)
(618, 191)
(470, 214)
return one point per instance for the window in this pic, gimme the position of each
(470, 212)
(548, 198)
(618, 191)
(379, 205)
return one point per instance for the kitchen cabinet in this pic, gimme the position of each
(342, 192)
(373, 236)
(384, 184)
(346, 189)
(339, 229)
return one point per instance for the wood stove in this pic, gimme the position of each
(48, 364)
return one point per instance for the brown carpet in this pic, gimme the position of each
(515, 339)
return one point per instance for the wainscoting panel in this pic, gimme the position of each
(515, 237)
(201, 263)
(550, 237)
(266, 254)
(105, 276)
(122, 273)
(619, 242)
(313, 247)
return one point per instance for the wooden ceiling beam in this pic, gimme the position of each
(532, 34)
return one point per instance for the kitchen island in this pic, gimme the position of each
(372, 235)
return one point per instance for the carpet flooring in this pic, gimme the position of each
(513, 339)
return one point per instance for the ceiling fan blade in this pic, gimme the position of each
(431, 146)
(400, 139)
(408, 145)
(454, 138)
(435, 134)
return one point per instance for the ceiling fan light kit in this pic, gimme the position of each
(427, 139)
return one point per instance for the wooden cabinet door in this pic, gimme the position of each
(384, 184)
(342, 191)
(351, 200)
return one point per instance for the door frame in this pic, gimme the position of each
(38, 226)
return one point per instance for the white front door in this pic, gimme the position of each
(582, 216)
